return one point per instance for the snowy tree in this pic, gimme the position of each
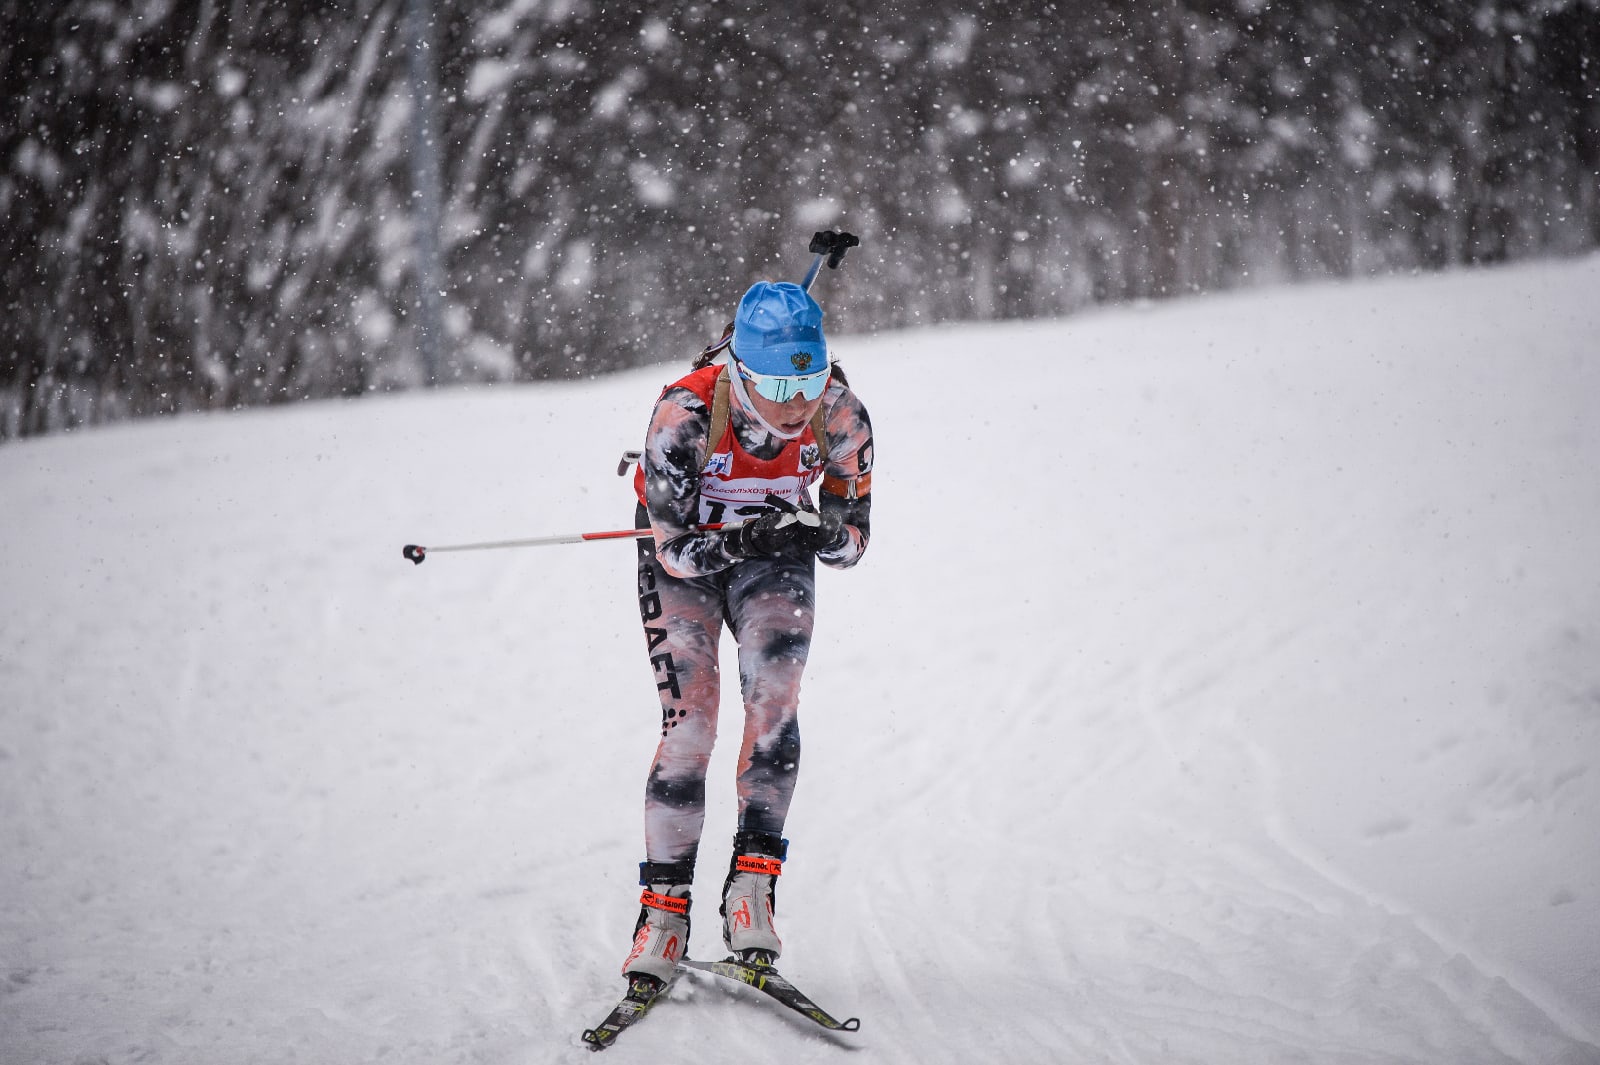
(210, 204)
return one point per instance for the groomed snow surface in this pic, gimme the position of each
(1222, 686)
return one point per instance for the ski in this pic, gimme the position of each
(766, 979)
(643, 992)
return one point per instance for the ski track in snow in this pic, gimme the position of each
(1222, 686)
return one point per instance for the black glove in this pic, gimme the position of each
(781, 532)
(769, 534)
(828, 533)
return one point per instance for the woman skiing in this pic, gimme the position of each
(723, 441)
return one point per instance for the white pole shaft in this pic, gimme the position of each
(541, 541)
(560, 538)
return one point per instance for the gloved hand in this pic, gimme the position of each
(827, 533)
(782, 532)
(771, 533)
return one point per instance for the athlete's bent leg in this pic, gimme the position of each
(771, 607)
(682, 626)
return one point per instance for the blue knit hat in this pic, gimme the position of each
(778, 330)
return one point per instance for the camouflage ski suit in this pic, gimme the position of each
(689, 586)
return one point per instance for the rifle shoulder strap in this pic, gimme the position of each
(719, 416)
(819, 429)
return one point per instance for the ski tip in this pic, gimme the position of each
(852, 1025)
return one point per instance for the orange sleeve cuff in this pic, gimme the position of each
(848, 488)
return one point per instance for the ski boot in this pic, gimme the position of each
(747, 898)
(661, 936)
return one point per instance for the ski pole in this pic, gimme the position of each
(829, 245)
(417, 554)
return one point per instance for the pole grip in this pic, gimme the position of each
(830, 246)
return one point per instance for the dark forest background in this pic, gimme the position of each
(216, 203)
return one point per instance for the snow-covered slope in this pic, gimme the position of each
(1223, 685)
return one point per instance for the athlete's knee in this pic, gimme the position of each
(779, 758)
(786, 645)
(675, 792)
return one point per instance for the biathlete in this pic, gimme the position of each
(785, 419)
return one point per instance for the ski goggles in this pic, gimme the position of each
(782, 388)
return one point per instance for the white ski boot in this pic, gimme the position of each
(748, 898)
(661, 936)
